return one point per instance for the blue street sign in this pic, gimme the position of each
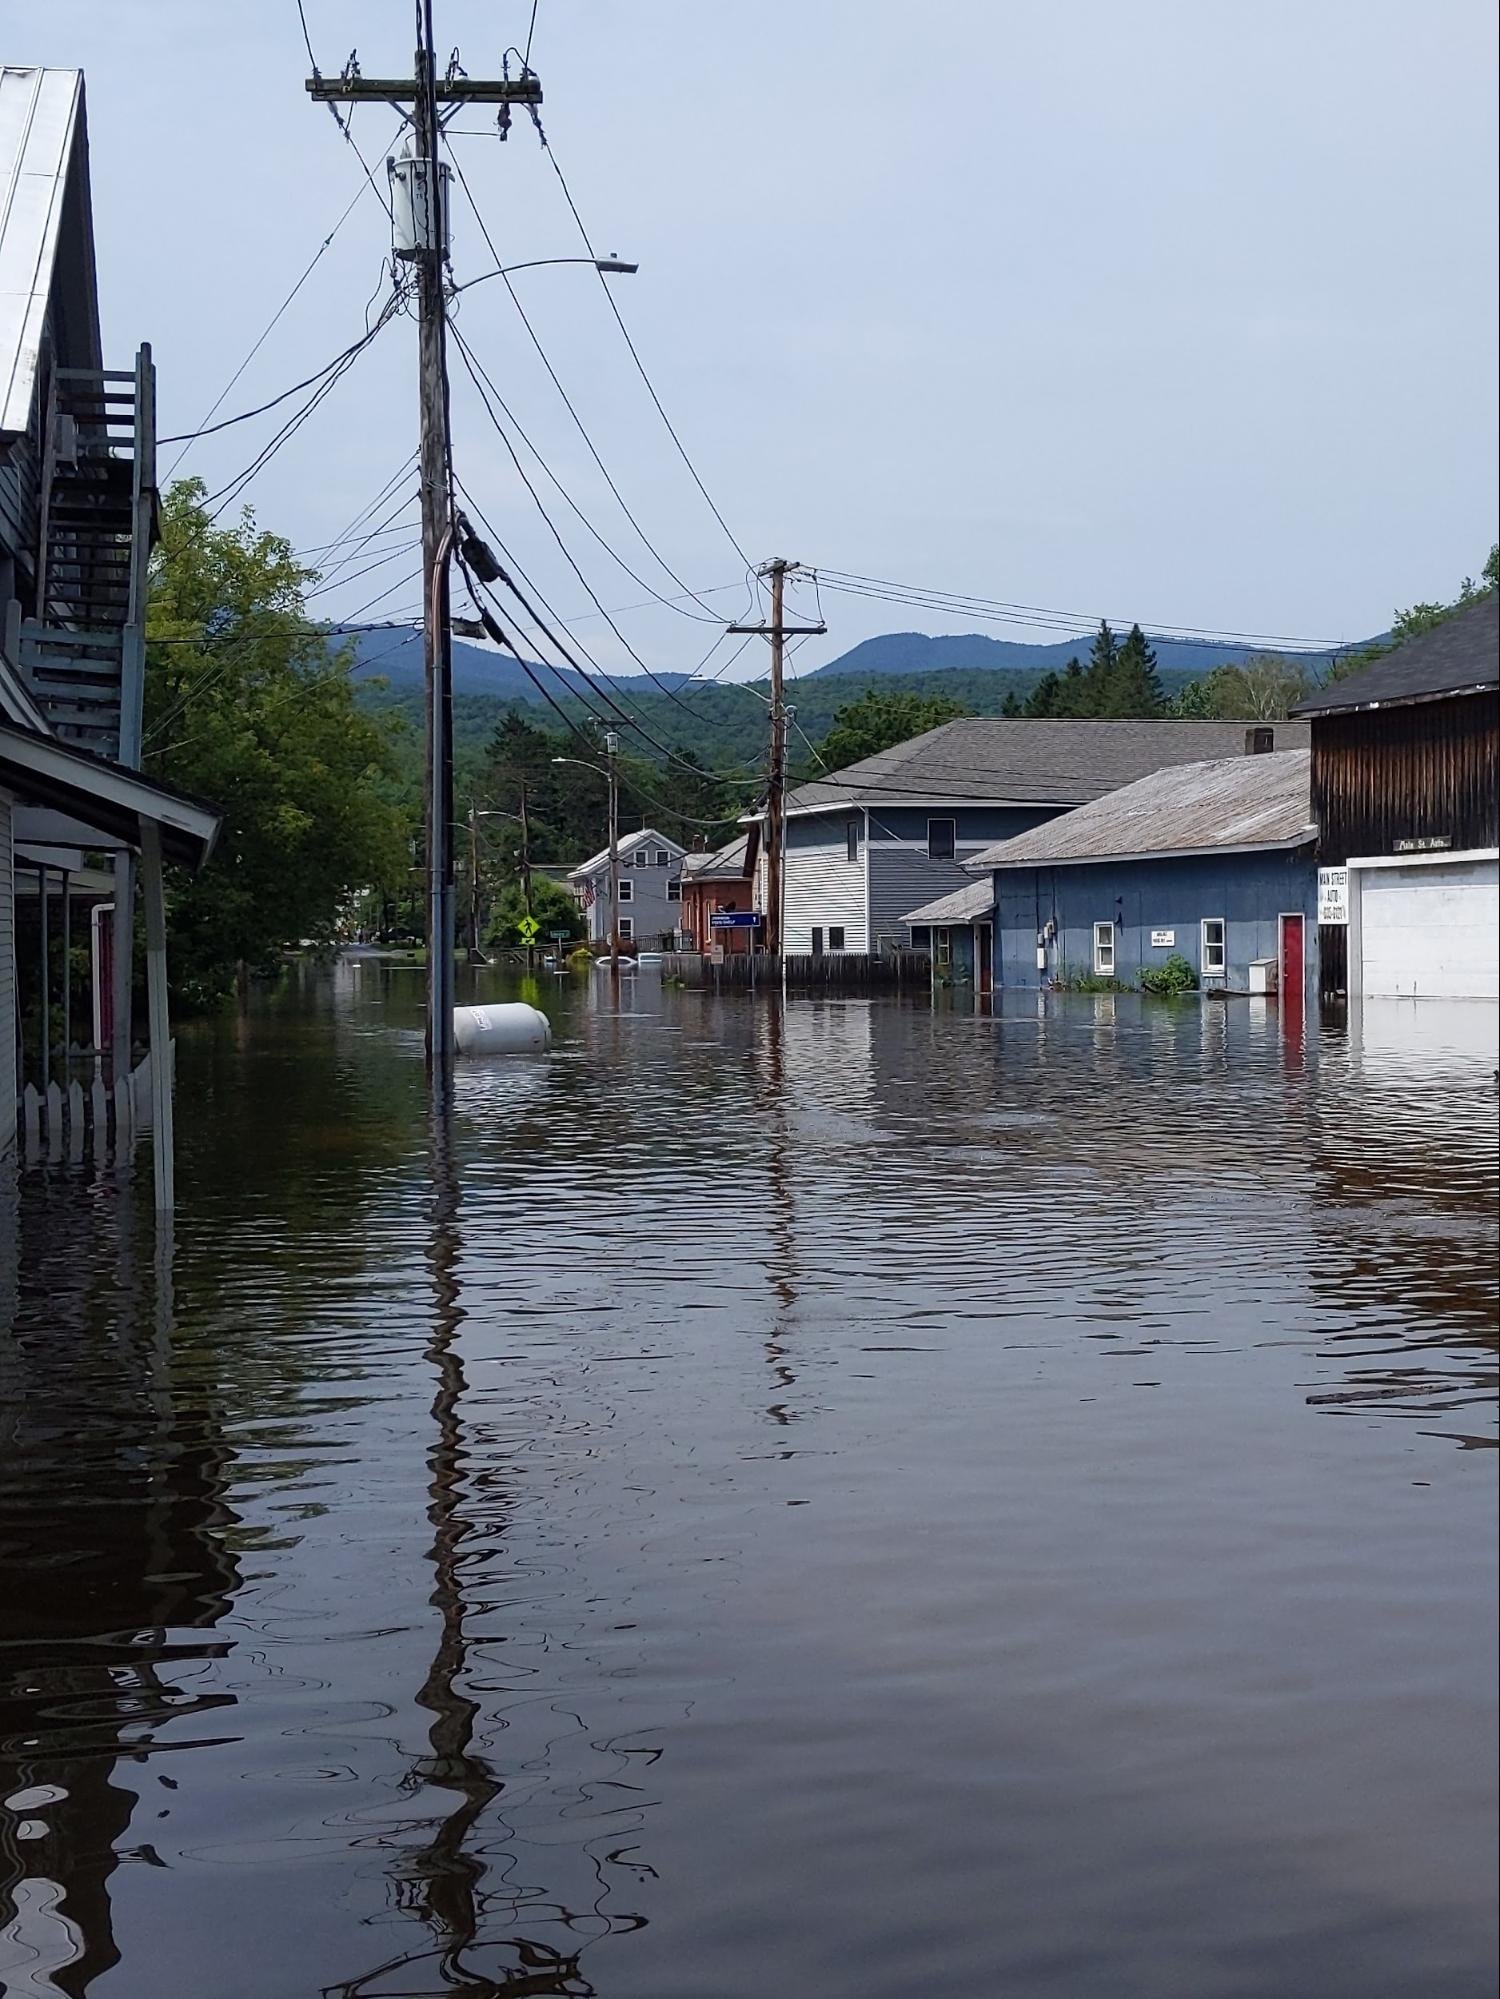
(735, 919)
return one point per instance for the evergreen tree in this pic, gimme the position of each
(1094, 692)
(1045, 696)
(1134, 687)
(1012, 706)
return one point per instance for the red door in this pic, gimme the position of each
(1291, 980)
(984, 959)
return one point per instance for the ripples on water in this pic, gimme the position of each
(876, 1501)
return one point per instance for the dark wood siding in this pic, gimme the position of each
(1424, 771)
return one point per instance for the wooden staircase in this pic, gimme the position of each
(84, 654)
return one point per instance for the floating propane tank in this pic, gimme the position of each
(510, 1029)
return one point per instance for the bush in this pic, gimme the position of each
(581, 960)
(1086, 982)
(1173, 976)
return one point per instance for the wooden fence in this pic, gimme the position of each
(830, 972)
(74, 1121)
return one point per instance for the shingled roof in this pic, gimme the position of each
(1230, 805)
(1459, 656)
(1000, 761)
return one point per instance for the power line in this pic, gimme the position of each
(931, 598)
(212, 429)
(568, 403)
(640, 364)
(471, 365)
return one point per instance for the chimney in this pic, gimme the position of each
(1259, 741)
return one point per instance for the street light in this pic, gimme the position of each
(609, 773)
(605, 266)
(476, 813)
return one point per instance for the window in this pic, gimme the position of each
(659, 858)
(836, 937)
(817, 943)
(1213, 954)
(639, 858)
(943, 942)
(627, 890)
(627, 928)
(851, 840)
(674, 891)
(940, 839)
(921, 937)
(1104, 950)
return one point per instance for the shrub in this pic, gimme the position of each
(1173, 976)
(1087, 982)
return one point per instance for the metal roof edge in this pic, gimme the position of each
(1302, 839)
(1303, 712)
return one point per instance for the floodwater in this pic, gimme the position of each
(864, 1502)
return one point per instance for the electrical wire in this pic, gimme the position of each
(568, 404)
(470, 366)
(1077, 623)
(639, 363)
(227, 423)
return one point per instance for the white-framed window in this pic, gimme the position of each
(674, 891)
(941, 839)
(921, 937)
(640, 858)
(942, 946)
(851, 840)
(836, 937)
(659, 857)
(627, 927)
(1104, 950)
(1213, 947)
(627, 890)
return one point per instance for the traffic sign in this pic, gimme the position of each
(528, 930)
(735, 919)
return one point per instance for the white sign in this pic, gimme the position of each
(716, 955)
(1163, 937)
(1333, 895)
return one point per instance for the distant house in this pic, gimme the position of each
(1212, 862)
(1405, 771)
(650, 871)
(722, 884)
(77, 506)
(868, 844)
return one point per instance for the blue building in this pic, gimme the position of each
(1212, 862)
(866, 843)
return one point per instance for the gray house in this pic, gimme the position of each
(650, 870)
(1208, 862)
(80, 828)
(868, 844)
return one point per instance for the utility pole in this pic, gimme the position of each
(778, 632)
(526, 875)
(419, 193)
(611, 752)
(473, 880)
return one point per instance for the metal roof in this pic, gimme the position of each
(728, 863)
(1459, 656)
(1230, 805)
(996, 760)
(627, 844)
(963, 905)
(41, 114)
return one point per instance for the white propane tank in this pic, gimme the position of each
(512, 1029)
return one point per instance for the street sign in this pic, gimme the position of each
(735, 919)
(528, 930)
(560, 936)
(1333, 895)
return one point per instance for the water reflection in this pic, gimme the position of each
(835, 1499)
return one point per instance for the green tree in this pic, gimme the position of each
(552, 907)
(1133, 687)
(878, 721)
(1421, 618)
(1262, 689)
(1047, 697)
(246, 705)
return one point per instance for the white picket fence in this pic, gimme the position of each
(73, 1122)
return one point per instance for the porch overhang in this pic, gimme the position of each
(105, 798)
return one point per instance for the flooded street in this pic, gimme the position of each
(856, 1503)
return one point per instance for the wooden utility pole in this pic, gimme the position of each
(778, 632)
(611, 752)
(420, 204)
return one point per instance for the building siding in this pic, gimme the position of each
(1425, 770)
(824, 888)
(1248, 891)
(8, 1068)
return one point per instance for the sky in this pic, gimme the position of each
(1178, 311)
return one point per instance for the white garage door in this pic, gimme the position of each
(1431, 932)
